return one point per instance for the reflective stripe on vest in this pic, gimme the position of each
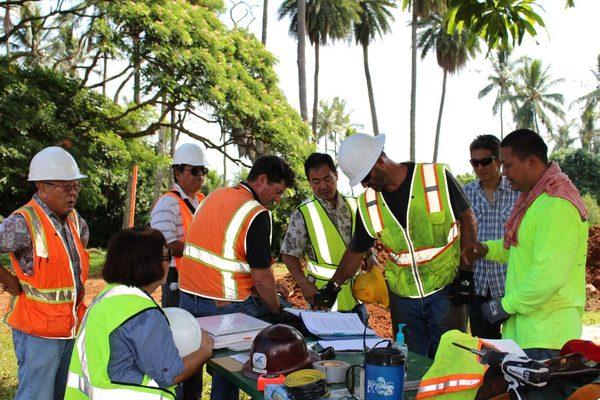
(233, 228)
(319, 271)
(320, 233)
(37, 233)
(63, 295)
(426, 255)
(78, 382)
(214, 260)
(432, 188)
(450, 383)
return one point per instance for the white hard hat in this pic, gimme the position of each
(358, 154)
(54, 164)
(190, 154)
(187, 334)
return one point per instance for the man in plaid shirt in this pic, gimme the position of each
(492, 200)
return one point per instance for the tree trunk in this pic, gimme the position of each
(161, 147)
(7, 26)
(316, 91)
(224, 136)
(136, 69)
(173, 144)
(439, 121)
(104, 72)
(365, 47)
(413, 83)
(501, 121)
(301, 16)
(263, 38)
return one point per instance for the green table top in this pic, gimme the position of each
(417, 366)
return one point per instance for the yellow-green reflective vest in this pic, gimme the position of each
(455, 374)
(88, 372)
(424, 257)
(329, 248)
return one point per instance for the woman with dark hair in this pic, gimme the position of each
(125, 348)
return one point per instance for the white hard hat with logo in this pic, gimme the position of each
(190, 154)
(53, 164)
(358, 154)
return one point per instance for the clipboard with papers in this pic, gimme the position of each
(235, 331)
(330, 325)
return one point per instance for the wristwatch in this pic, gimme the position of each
(336, 286)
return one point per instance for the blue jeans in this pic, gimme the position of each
(43, 366)
(426, 319)
(221, 388)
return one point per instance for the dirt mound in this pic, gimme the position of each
(593, 270)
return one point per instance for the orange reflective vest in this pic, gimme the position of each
(186, 216)
(214, 261)
(49, 305)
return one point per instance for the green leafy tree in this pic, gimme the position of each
(420, 9)
(39, 108)
(582, 167)
(374, 20)
(466, 178)
(589, 133)
(501, 80)
(533, 98)
(562, 138)
(499, 23)
(325, 21)
(452, 53)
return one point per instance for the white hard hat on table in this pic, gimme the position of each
(190, 154)
(358, 154)
(187, 334)
(53, 164)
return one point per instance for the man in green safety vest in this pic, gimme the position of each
(320, 230)
(420, 213)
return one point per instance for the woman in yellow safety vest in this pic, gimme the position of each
(125, 348)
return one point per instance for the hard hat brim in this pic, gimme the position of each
(372, 159)
(50, 178)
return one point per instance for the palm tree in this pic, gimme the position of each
(589, 133)
(561, 137)
(503, 81)
(452, 51)
(333, 122)
(374, 18)
(265, 19)
(325, 20)
(31, 38)
(301, 34)
(420, 9)
(532, 99)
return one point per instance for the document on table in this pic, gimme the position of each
(353, 344)
(334, 324)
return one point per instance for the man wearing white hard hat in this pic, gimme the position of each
(173, 212)
(422, 216)
(172, 215)
(46, 239)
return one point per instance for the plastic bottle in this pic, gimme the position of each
(401, 345)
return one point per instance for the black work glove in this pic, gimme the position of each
(493, 311)
(326, 296)
(462, 289)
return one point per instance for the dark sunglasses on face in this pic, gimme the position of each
(168, 257)
(198, 170)
(483, 162)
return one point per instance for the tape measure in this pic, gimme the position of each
(334, 370)
(269, 379)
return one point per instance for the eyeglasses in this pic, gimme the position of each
(198, 170)
(66, 187)
(483, 162)
(168, 257)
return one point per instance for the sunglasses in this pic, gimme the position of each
(168, 257)
(198, 170)
(483, 162)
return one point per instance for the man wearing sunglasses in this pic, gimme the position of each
(46, 239)
(422, 216)
(492, 199)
